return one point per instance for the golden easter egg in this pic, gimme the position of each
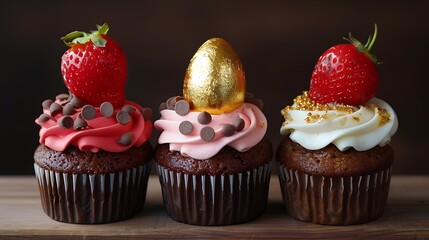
(214, 80)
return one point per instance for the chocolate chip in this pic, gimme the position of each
(256, 101)
(238, 123)
(106, 109)
(44, 117)
(75, 102)
(55, 108)
(171, 102)
(65, 122)
(88, 112)
(181, 107)
(68, 109)
(186, 127)
(79, 123)
(147, 113)
(207, 133)
(62, 97)
(123, 117)
(126, 139)
(47, 103)
(228, 129)
(259, 103)
(129, 109)
(204, 118)
(162, 106)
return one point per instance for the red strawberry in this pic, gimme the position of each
(94, 68)
(346, 73)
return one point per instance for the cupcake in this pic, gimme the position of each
(213, 159)
(335, 162)
(94, 156)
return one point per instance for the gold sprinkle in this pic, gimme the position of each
(304, 103)
(262, 125)
(384, 116)
(356, 118)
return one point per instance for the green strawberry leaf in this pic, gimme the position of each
(78, 37)
(98, 40)
(368, 45)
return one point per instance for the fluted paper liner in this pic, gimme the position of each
(92, 199)
(215, 200)
(334, 200)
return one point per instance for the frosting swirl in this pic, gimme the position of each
(362, 127)
(101, 132)
(195, 146)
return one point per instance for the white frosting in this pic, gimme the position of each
(362, 129)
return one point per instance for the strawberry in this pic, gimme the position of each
(346, 73)
(94, 67)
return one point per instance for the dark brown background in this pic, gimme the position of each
(278, 42)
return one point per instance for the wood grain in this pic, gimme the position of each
(21, 216)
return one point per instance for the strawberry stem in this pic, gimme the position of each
(77, 37)
(368, 45)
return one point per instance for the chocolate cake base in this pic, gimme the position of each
(93, 198)
(215, 199)
(334, 200)
(331, 187)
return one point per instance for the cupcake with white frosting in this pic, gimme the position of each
(335, 161)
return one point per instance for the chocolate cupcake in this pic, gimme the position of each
(212, 158)
(335, 162)
(94, 158)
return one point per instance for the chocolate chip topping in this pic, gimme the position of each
(204, 118)
(88, 112)
(256, 101)
(63, 98)
(162, 106)
(106, 109)
(129, 109)
(68, 109)
(171, 102)
(207, 133)
(181, 107)
(249, 95)
(55, 108)
(44, 117)
(186, 127)
(75, 102)
(238, 123)
(65, 122)
(79, 123)
(147, 113)
(123, 117)
(259, 103)
(126, 139)
(228, 130)
(47, 103)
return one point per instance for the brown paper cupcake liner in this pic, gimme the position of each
(215, 200)
(334, 200)
(92, 199)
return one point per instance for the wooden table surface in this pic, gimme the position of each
(21, 216)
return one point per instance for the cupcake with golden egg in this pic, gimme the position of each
(213, 159)
(335, 162)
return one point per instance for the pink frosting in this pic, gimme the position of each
(194, 146)
(101, 133)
